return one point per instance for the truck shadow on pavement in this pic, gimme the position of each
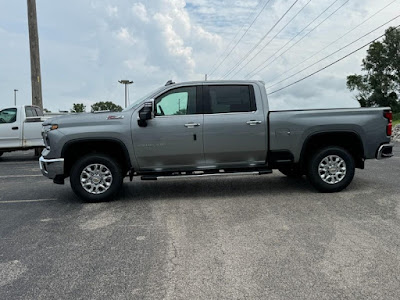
(27, 156)
(232, 187)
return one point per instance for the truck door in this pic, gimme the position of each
(10, 128)
(234, 126)
(32, 135)
(173, 139)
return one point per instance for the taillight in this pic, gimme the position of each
(389, 116)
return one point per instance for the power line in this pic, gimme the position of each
(255, 71)
(337, 51)
(241, 38)
(331, 64)
(273, 38)
(261, 40)
(234, 38)
(315, 54)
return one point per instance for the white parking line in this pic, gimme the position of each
(27, 201)
(18, 162)
(17, 176)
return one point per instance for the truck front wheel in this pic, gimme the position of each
(96, 178)
(331, 169)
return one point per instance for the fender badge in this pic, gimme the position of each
(115, 117)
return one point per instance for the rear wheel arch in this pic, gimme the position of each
(75, 149)
(348, 140)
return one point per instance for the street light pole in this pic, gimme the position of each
(126, 82)
(15, 97)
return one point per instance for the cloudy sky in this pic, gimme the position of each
(86, 46)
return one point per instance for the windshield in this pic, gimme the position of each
(148, 96)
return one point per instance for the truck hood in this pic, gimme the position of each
(83, 119)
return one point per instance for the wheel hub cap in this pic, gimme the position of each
(332, 169)
(96, 179)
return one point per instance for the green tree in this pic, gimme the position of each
(78, 108)
(108, 105)
(380, 86)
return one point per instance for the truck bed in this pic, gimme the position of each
(290, 129)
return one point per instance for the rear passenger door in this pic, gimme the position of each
(32, 136)
(234, 130)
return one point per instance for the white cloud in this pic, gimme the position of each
(124, 36)
(112, 11)
(151, 41)
(139, 11)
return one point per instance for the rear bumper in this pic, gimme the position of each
(51, 167)
(385, 151)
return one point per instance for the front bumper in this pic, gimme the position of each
(385, 151)
(51, 167)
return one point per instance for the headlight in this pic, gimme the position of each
(50, 127)
(45, 130)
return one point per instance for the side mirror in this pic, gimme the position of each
(146, 113)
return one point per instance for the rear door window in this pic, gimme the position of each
(38, 111)
(229, 99)
(30, 111)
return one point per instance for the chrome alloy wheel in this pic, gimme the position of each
(96, 179)
(332, 169)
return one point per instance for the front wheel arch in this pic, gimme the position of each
(75, 149)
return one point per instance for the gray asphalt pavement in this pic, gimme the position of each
(247, 237)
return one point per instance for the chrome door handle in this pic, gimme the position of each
(253, 122)
(192, 125)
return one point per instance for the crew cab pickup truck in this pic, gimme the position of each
(21, 128)
(211, 128)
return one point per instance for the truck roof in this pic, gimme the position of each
(219, 82)
(19, 106)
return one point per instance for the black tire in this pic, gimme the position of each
(342, 173)
(107, 188)
(292, 171)
(38, 152)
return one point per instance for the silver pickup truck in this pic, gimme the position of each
(211, 128)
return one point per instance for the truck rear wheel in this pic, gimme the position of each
(331, 169)
(96, 178)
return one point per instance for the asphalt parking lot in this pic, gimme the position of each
(246, 237)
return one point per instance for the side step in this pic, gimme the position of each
(204, 174)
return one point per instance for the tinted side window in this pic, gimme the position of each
(8, 115)
(29, 112)
(230, 98)
(39, 112)
(180, 101)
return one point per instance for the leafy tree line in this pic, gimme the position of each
(98, 106)
(380, 85)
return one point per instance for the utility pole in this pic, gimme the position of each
(35, 57)
(15, 97)
(126, 82)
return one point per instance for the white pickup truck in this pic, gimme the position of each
(21, 128)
